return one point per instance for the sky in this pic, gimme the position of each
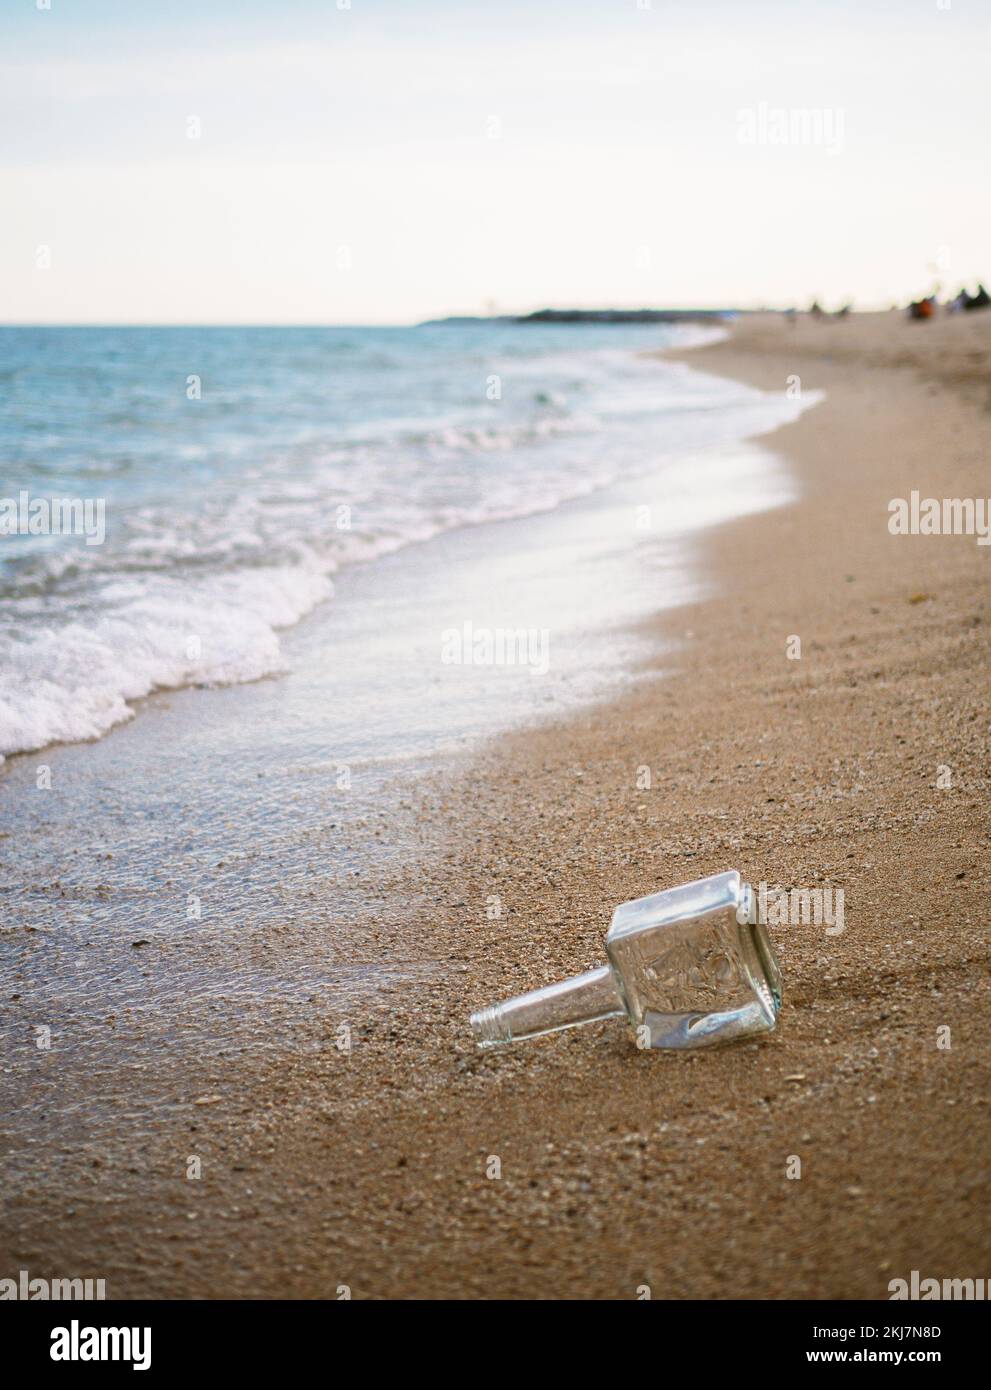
(386, 161)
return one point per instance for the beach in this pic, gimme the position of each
(335, 1144)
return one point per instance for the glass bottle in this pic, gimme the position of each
(689, 967)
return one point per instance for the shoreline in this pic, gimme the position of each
(323, 1167)
(301, 491)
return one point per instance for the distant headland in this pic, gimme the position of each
(595, 316)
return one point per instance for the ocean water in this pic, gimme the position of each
(245, 472)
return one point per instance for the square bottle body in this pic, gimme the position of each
(693, 968)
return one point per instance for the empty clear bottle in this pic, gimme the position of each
(689, 967)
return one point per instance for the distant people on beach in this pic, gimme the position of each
(963, 301)
(926, 308)
(818, 312)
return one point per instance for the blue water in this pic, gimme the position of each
(241, 469)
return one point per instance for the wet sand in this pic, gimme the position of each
(322, 1167)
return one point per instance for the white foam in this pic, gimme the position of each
(76, 681)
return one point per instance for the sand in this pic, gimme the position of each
(621, 1169)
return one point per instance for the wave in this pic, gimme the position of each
(214, 549)
(77, 680)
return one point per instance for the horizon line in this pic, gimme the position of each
(409, 323)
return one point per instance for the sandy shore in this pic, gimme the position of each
(322, 1168)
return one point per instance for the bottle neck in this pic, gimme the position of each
(582, 999)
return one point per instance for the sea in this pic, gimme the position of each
(498, 478)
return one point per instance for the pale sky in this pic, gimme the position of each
(404, 159)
